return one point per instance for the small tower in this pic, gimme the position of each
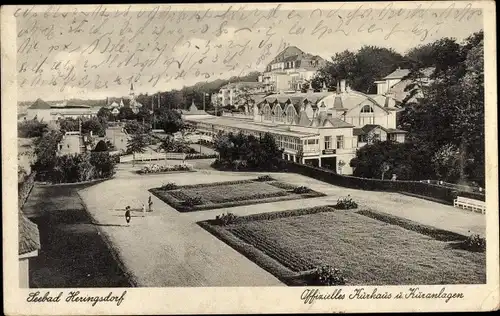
(324, 89)
(310, 89)
(132, 93)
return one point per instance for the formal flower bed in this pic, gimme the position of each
(226, 194)
(154, 168)
(325, 246)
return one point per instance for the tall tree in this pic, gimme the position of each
(361, 69)
(169, 120)
(137, 144)
(451, 111)
(94, 125)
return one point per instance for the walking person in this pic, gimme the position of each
(143, 210)
(127, 215)
(150, 203)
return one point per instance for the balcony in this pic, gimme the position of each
(311, 150)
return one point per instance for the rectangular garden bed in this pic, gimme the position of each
(228, 194)
(368, 248)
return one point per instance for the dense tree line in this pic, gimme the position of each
(360, 69)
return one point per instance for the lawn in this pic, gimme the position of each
(367, 250)
(228, 194)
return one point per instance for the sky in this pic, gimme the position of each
(67, 52)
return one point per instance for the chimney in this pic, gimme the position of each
(342, 85)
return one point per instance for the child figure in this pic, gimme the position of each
(127, 215)
(150, 203)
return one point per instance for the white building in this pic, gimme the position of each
(229, 94)
(317, 128)
(290, 70)
(43, 111)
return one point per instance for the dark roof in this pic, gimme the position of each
(396, 131)
(366, 129)
(39, 104)
(369, 127)
(304, 120)
(29, 236)
(357, 131)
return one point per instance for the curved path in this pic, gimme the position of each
(167, 248)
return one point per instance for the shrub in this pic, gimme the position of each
(192, 201)
(301, 190)
(346, 203)
(225, 219)
(327, 275)
(154, 168)
(283, 185)
(474, 243)
(201, 156)
(169, 186)
(265, 178)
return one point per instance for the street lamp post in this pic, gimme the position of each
(204, 96)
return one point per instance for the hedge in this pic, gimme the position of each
(441, 193)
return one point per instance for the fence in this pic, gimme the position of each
(445, 194)
(24, 189)
(153, 156)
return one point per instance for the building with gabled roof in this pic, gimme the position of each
(319, 128)
(46, 112)
(290, 70)
(395, 84)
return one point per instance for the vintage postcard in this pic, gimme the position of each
(249, 158)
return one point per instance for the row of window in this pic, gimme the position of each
(339, 142)
(290, 142)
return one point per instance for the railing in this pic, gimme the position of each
(238, 115)
(153, 156)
